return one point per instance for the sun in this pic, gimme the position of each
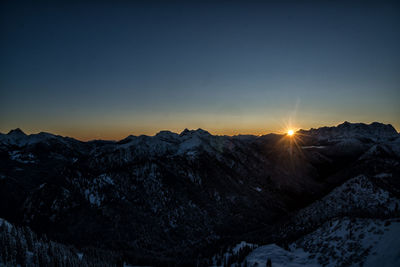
(290, 132)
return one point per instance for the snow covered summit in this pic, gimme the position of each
(375, 132)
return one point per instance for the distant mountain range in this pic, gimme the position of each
(184, 199)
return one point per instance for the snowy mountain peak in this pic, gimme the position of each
(19, 138)
(167, 135)
(199, 132)
(14, 137)
(16, 133)
(375, 131)
(375, 126)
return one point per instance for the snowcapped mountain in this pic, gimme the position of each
(360, 196)
(372, 132)
(169, 198)
(357, 223)
(18, 138)
(340, 242)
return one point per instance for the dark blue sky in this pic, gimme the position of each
(109, 69)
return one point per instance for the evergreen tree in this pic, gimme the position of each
(21, 250)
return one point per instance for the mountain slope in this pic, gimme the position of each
(341, 242)
(172, 197)
(22, 247)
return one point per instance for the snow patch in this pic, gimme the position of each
(80, 255)
(242, 245)
(383, 175)
(42, 185)
(21, 157)
(280, 257)
(351, 242)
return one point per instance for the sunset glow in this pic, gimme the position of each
(146, 67)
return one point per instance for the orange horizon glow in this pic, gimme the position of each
(119, 132)
(116, 134)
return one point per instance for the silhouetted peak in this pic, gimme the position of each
(184, 132)
(166, 135)
(345, 124)
(373, 126)
(16, 132)
(375, 131)
(199, 131)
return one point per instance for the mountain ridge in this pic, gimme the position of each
(172, 197)
(351, 129)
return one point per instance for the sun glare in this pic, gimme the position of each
(290, 132)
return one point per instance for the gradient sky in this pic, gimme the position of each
(111, 69)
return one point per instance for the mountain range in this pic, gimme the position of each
(189, 198)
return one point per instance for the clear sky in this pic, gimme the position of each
(113, 68)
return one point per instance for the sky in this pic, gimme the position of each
(107, 69)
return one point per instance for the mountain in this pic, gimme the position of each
(179, 198)
(373, 132)
(22, 247)
(356, 224)
(339, 242)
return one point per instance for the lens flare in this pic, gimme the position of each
(290, 132)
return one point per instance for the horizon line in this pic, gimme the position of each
(296, 129)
